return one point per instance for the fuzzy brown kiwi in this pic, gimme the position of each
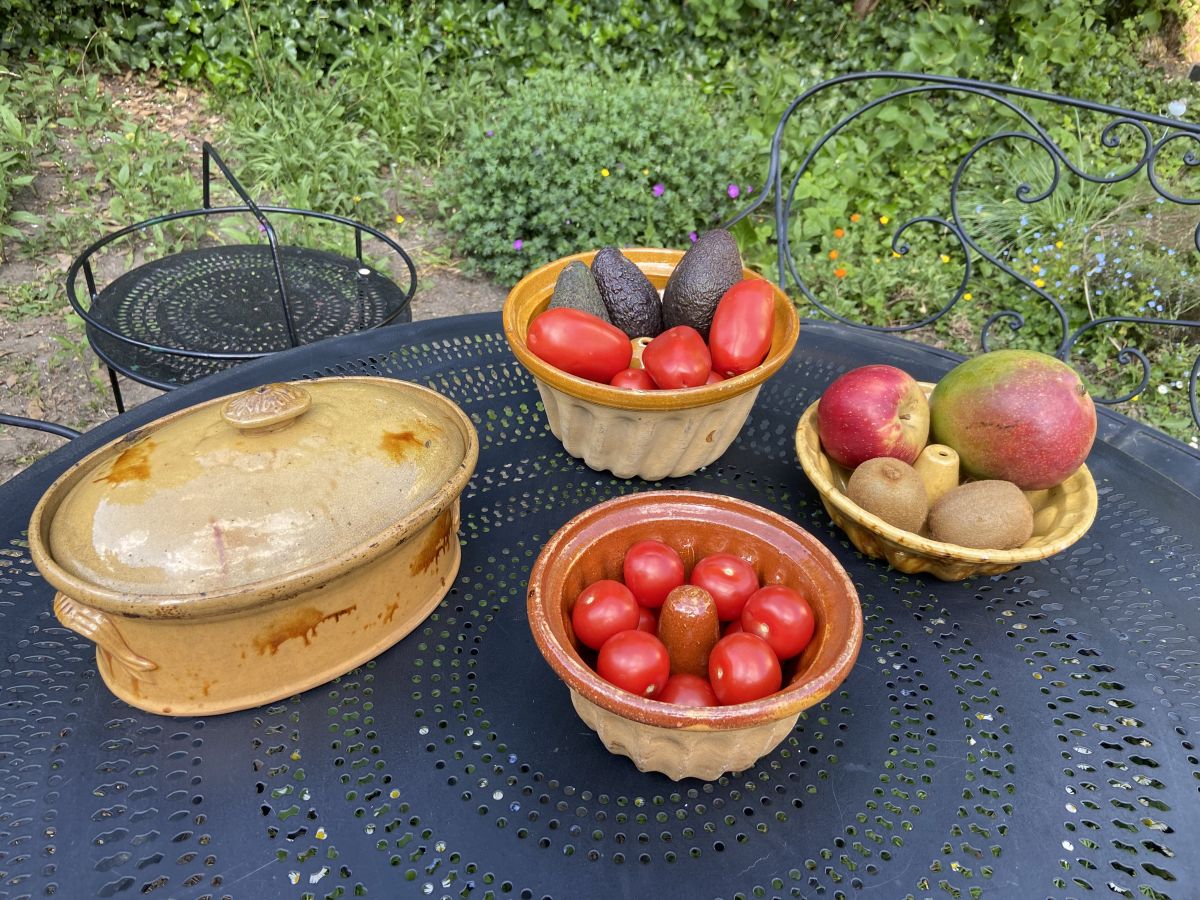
(988, 515)
(891, 489)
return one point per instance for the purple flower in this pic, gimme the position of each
(733, 190)
(489, 133)
(518, 244)
(693, 236)
(659, 189)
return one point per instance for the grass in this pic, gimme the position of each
(40, 296)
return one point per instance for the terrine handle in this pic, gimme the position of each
(267, 408)
(96, 626)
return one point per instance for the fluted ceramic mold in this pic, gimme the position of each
(679, 741)
(648, 434)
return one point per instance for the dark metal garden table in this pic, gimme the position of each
(1025, 735)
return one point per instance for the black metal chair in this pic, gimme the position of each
(38, 425)
(174, 319)
(947, 216)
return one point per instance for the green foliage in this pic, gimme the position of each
(299, 146)
(571, 162)
(329, 102)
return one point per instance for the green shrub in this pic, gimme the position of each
(572, 162)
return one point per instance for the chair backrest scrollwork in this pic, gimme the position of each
(1163, 150)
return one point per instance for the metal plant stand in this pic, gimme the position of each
(189, 314)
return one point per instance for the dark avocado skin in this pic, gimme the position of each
(630, 298)
(711, 267)
(576, 289)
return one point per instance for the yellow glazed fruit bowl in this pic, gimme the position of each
(650, 434)
(1061, 516)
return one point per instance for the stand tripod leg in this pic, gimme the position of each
(116, 389)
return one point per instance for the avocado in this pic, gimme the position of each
(576, 289)
(711, 267)
(630, 298)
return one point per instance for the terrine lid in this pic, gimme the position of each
(253, 487)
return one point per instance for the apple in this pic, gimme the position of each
(1015, 415)
(873, 411)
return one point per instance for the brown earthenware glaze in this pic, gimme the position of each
(1061, 516)
(251, 547)
(688, 741)
(689, 628)
(648, 434)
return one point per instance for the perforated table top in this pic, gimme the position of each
(1025, 735)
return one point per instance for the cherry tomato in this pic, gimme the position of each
(579, 343)
(677, 358)
(781, 617)
(742, 327)
(601, 610)
(652, 570)
(636, 662)
(743, 667)
(647, 621)
(688, 690)
(734, 627)
(730, 579)
(634, 380)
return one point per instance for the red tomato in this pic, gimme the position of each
(730, 579)
(734, 627)
(743, 667)
(713, 377)
(579, 343)
(636, 662)
(601, 610)
(647, 621)
(781, 617)
(677, 358)
(688, 690)
(652, 570)
(634, 380)
(742, 327)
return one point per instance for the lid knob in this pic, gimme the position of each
(266, 408)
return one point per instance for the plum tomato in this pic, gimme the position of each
(603, 609)
(677, 358)
(647, 620)
(730, 579)
(742, 327)
(688, 690)
(634, 380)
(652, 570)
(780, 616)
(636, 662)
(579, 343)
(743, 667)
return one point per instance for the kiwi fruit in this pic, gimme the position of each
(987, 515)
(891, 489)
